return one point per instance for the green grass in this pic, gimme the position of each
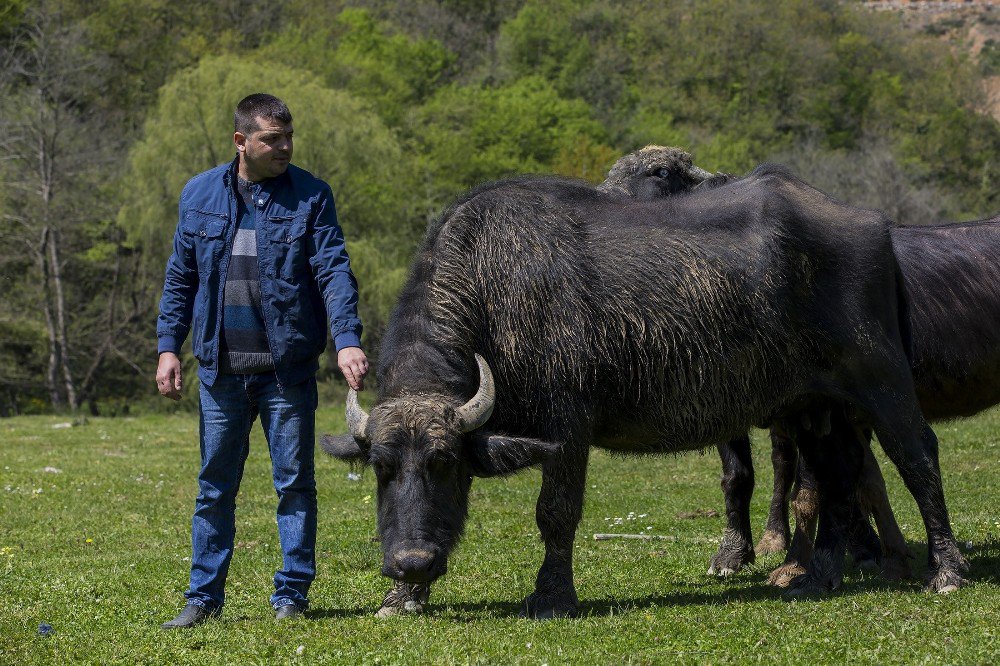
(98, 550)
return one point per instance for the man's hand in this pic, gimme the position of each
(354, 364)
(168, 376)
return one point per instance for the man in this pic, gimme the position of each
(258, 264)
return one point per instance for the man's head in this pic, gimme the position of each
(263, 136)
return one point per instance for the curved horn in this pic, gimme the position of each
(477, 411)
(698, 173)
(357, 418)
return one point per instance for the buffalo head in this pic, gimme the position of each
(653, 172)
(425, 450)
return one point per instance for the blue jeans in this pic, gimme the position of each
(228, 410)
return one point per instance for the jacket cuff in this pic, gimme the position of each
(347, 339)
(167, 343)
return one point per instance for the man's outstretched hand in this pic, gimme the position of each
(168, 376)
(354, 364)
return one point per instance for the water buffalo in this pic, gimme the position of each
(640, 327)
(951, 279)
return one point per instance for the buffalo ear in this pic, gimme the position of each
(343, 447)
(499, 455)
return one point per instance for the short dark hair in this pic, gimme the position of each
(259, 104)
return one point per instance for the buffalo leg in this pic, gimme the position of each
(896, 554)
(805, 507)
(836, 460)
(558, 512)
(863, 544)
(736, 548)
(784, 460)
(913, 449)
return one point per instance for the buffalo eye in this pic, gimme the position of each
(383, 466)
(382, 471)
(662, 172)
(438, 463)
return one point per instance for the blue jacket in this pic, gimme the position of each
(305, 273)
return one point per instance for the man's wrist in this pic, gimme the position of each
(346, 339)
(167, 343)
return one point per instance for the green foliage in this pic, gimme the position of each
(467, 134)
(989, 58)
(338, 138)
(403, 105)
(355, 53)
(98, 550)
(11, 14)
(147, 41)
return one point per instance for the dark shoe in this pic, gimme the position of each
(191, 616)
(287, 612)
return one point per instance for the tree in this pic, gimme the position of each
(469, 134)
(51, 149)
(60, 161)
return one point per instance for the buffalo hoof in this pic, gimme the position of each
(811, 585)
(785, 574)
(772, 542)
(945, 574)
(825, 574)
(945, 582)
(539, 606)
(867, 564)
(734, 553)
(865, 558)
(404, 599)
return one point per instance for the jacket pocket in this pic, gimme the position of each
(288, 247)
(204, 230)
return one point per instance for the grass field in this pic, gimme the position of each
(94, 541)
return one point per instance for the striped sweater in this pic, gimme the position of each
(244, 339)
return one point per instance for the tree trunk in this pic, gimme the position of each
(60, 305)
(51, 373)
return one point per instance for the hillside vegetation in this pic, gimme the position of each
(109, 106)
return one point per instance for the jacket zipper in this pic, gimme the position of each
(260, 282)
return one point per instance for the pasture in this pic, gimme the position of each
(94, 541)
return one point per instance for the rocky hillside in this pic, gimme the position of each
(971, 27)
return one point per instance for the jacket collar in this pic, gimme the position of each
(267, 186)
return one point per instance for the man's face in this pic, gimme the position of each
(266, 152)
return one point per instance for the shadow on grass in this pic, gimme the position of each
(315, 613)
(746, 587)
(709, 594)
(984, 563)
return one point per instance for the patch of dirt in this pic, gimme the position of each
(992, 87)
(699, 513)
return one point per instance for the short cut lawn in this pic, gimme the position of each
(94, 543)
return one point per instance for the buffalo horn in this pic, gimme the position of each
(477, 411)
(698, 173)
(357, 418)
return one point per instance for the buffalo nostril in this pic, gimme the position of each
(414, 562)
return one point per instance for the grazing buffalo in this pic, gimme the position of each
(951, 279)
(543, 317)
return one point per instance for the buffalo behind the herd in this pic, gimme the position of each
(544, 316)
(951, 283)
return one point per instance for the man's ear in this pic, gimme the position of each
(499, 455)
(343, 447)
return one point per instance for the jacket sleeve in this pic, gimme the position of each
(179, 289)
(332, 268)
